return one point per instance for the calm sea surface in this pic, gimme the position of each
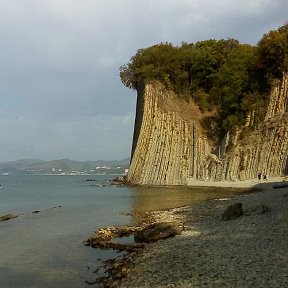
(45, 249)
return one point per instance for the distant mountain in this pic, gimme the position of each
(64, 166)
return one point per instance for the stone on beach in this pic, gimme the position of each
(233, 211)
(249, 252)
(210, 252)
(158, 231)
(261, 209)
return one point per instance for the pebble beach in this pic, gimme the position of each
(250, 251)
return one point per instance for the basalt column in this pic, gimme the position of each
(170, 146)
(167, 147)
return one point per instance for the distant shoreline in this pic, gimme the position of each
(62, 174)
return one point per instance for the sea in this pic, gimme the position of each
(44, 246)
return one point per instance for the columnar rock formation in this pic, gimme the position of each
(172, 147)
(278, 99)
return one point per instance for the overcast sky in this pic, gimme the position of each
(60, 91)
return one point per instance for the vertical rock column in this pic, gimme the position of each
(278, 99)
(169, 148)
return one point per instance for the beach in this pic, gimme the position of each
(250, 251)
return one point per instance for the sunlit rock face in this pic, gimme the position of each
(174, 144)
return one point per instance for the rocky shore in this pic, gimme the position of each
(250, 251)
(246, 249)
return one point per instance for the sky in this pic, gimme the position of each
(60, 91)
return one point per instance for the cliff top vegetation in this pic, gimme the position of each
(222, 75)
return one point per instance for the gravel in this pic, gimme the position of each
(250, 251)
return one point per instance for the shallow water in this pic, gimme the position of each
(46, 249)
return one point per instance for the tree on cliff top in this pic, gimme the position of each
(217, 74)
(272, 52)
(153, 63)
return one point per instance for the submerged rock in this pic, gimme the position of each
(7, 217)
(103, 238)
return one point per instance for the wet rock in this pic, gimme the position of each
(116, 246)
(157, 231)
(109, 237)
(232, 211)
(102, 238)
(7, 217)
(120, 180)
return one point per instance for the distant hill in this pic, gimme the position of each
(64, 166)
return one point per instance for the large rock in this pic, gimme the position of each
(157, 231)
(120, 180)
(233, 211)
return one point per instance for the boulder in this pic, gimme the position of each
(120, 180)
(233, 211)
(157, 231)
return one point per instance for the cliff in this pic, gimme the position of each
(172, 146)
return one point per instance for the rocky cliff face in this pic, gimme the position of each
(171, 146)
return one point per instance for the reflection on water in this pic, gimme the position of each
(161, 198)
(46, 249)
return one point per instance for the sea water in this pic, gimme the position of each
(43, 246)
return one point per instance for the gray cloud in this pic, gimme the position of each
(60, 93)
